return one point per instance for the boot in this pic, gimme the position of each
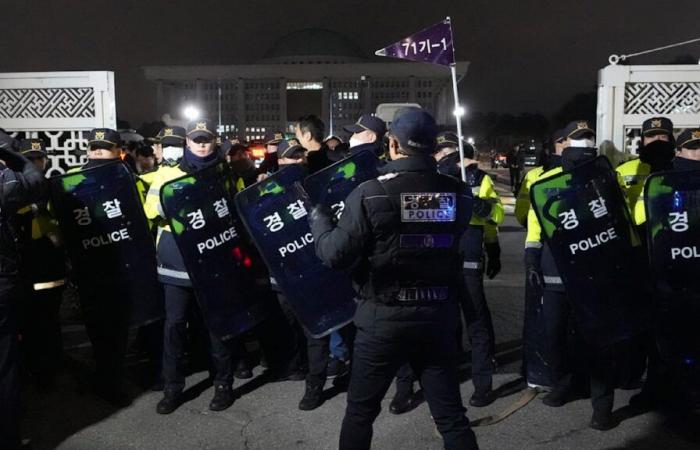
(223, 397)
(313, 397)
(403, 402)
(602, 420)
(170, 402)
(482, 397)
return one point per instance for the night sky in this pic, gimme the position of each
(526, 55)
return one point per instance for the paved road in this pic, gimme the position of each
(265, 416)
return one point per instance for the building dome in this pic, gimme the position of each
(314, 45)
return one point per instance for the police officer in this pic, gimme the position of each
(542, 274)
(367, 134)
(556, 309)
(400, 233)
(656, 151)
(535, 374)
(522, 202)
(199, 154)
(22, 183)
(43, 266)
(480, 237)
(662, 382)
(269, 164)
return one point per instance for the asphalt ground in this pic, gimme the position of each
(265, 414)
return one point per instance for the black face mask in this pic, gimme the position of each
(658, 155)
(575, 156)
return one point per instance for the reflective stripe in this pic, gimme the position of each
(552, 280)
(533, 244)
(154, 191)
(472, 265)
(49, 285)
(173, 273)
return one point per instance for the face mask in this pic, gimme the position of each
(588, 143)
(172, 154)
(575, 156)
(354, 142)
(658, 155)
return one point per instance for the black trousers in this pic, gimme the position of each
(9, 377)
(377, 357)
(178, 301)
(296, 338)
(107, 325)
(477, 316)
(405, 379)
(556, 314)
(42, 343)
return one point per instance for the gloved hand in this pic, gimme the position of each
(493, 259)
(533, 269)
(9, 152)
(482, 208)
(321, 220)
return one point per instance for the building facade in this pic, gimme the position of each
(306, 72)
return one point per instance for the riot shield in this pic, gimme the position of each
(586, 224)
(199, 208)
(672, 204)
(331, 186)
(274, 213)
(108, 239)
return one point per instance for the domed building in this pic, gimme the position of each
(311, 71)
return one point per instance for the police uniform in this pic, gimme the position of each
(632, 176)
(482, 235)
(668, 381)
(21, 184)
(167, 137)
(43, 266)
(269, 164)
(400, 234)
(179, 295)
(106, 316)
(555, 308)
(536, 373)
(364, 123)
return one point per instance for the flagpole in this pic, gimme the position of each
(458, 117)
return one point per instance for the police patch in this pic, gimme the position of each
(428, 207)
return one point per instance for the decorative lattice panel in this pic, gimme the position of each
(58, 103)
(66, 149)
(662, 98)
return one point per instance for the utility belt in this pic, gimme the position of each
(416, 296)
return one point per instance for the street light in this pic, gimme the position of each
(471, 140)
(459, 111)
(190, 112)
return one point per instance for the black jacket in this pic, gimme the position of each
(388, 248)
(21, 183)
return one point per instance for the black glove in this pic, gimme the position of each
(9, 152)
(321, 220)
(482, 208)
(533, 269)
(493, 259)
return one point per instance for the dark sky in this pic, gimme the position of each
(526, 55)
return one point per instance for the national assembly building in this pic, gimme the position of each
(311, 71)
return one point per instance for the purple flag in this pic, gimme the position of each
(432, 45)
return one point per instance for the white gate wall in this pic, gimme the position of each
(59, 107)
(628, 95)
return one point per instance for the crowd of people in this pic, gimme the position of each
(411, 293)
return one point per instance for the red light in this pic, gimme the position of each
(237, 253)
(247, 262)
(257, 151)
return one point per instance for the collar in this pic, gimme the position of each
(414, 163)
(99, 162)
(685, 164)
(372, 146)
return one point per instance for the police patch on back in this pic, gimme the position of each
(428, 207)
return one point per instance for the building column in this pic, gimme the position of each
(325, 106)
(283, 105)
(240, 108)
(199, 94)
(367, 96)
(160, 103)
(412, 89)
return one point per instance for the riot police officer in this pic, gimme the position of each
(367, 134)
(400, 233)
(22, 183)
(199, 154)
(480, 237)
(43, 265)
